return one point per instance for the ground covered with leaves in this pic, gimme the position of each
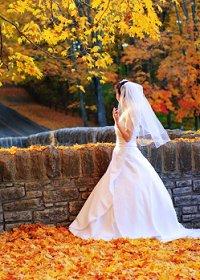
(52, 252)
(19, 100)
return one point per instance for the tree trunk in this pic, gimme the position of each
(83, 110)
(169, 120)
(101, 112)
(197, 122)
(178, 19)
(185, 9)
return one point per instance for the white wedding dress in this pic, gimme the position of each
(130, 200)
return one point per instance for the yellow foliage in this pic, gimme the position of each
(81, 88)
(25, 65)
(64, 23)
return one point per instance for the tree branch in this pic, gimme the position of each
(1, 48)
(107, 7)
(29, 40)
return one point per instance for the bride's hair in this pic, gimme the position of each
(119, 85)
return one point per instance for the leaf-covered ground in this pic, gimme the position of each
(19, 100)
(48, 252)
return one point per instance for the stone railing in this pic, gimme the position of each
(79, 135)
(50, 184)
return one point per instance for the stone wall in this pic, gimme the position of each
(50, 184)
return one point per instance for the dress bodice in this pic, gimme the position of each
(120, 140)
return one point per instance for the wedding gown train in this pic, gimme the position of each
(130, 200)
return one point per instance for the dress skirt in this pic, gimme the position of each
(130, 200)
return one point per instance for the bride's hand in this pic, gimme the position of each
(115, 114)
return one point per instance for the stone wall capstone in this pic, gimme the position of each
(80, 135)
(49, 184)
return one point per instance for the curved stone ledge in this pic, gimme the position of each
(50, 184)
(79, 135)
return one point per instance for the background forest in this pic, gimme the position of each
(68, 55)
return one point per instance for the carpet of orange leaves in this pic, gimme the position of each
(52, 252)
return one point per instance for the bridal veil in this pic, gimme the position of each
(138, 113)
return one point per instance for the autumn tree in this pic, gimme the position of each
(71, 33)
(169, 68)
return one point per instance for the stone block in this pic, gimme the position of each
(33, 186)
(4, 185)
(62, 194)
(182, 190)
(18, 216)
(7, 167)
(23, 164)
(184, 183)
(156, 158)
(38, 170)
(169, 157)
(101, 160)
(51, 215)
(196, 198)
(11, 193)
(83, 189)
(196, 156)
(33, 194)
(183, 200)
(48, 187)
(191, 217)
(48, 205)
(75, 207)
(188, 200)
(24, 204)
(69, 184)
(87, 162)
(86, 183)
(184, 156)
(196, 185)
(189, 209)
(52, 162)
(62, 203)
(70, 163)
(176, 175)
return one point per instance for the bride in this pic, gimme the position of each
(130, 200)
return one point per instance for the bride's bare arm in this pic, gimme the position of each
(126, 132)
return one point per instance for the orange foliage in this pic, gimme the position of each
(169, 69)
(40, 251)
(160, 99)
